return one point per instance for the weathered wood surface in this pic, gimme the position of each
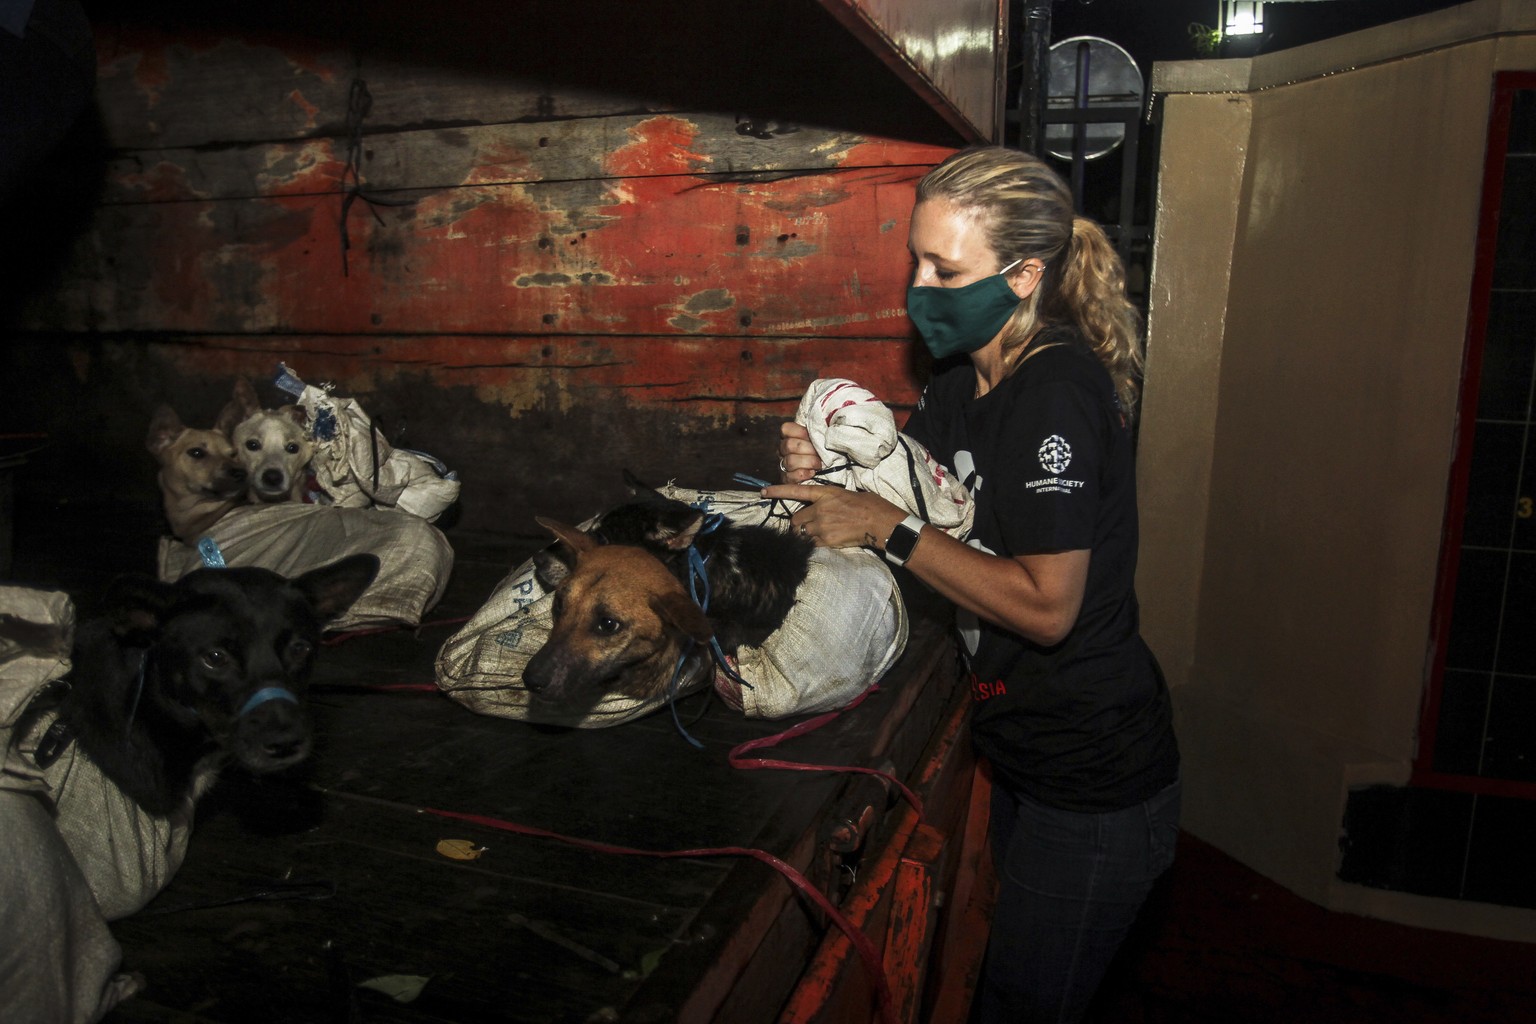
(630, 234)
(283, 69)
(684, 254)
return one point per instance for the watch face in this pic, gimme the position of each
(901, 542)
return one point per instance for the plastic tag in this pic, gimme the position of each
(212, 557)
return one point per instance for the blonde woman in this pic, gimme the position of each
(1023, 306)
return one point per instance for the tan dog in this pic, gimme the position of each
(200, 477)
(621, 623)
(272, 446)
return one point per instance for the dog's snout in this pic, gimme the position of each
(273, 478)
(536, 673)
(272, 735)
(287, 749)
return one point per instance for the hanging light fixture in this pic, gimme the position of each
(1242, 17)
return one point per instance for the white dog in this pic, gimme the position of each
(273, 447)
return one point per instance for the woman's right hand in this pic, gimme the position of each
(798, 461)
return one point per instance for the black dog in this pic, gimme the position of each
(169, 683)
(752, 571)
(177, 679)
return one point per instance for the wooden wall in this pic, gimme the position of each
(556, 240)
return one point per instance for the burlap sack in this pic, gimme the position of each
(855, 437)
(75, 852)
(847, 627)
(415, 559)
(356, 467)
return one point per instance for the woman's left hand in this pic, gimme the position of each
(838, 518)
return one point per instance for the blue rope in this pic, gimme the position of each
(138, 691)
(698, 580)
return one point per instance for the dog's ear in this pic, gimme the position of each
(164, 427)
(136, 605)
(638, 487)
(241, 404)
(294, 412)
(683, 538)
(331, 589)
(552, 567)
(568, 535)
(677, 611)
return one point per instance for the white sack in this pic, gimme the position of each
(75, 852)
(291, 538)
(357, 468)
(848, 625)
(852, 429)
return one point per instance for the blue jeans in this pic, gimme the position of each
(1069, 887)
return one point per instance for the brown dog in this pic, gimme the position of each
(622, 621)
(272, 446)
(200, 477)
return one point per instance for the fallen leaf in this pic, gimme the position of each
(402, 988)
(460, 849)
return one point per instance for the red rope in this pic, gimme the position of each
(861, 942)
(748, 764)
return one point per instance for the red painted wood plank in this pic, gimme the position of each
(696, 142)
(816, 254)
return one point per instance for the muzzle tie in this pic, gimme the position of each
(265, 694)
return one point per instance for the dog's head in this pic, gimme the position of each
(272, 446)
(621, 622)
(229, 653)
(195, 464)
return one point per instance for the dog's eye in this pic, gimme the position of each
(607, 626)
(253, 445)
(299, 648)
(214, 658)
(291, 448)
(195, 453)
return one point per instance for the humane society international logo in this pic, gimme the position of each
(1055, 454)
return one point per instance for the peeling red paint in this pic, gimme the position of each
(160, 182)
(151, 74)
(449, 263)
(660, 145)
(310, 110)
(501, 163)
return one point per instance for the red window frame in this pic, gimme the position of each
(1506, 84)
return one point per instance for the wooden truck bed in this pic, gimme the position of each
(298, 889)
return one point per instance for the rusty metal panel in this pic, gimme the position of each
(953, 54)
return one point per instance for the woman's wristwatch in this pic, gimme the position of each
(903, 540)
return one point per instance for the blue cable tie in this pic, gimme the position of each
(208, 550)
(750, 481)
(287, 380)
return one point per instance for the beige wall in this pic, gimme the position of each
(1316, 220)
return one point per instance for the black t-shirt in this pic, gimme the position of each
(1084, 725)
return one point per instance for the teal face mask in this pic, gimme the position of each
(954, 320)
